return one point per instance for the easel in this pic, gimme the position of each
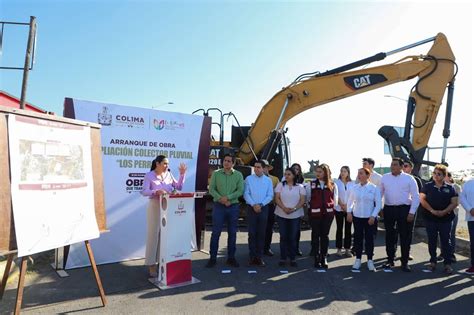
(21, 279)
(8, 245)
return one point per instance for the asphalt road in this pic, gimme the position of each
(338, 291)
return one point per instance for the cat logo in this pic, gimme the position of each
(362, 81)
(356, 82)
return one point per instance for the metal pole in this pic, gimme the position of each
(447, 119)
(283, 110)
(27, 61)
(421, 42)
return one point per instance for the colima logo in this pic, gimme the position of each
(159, 124)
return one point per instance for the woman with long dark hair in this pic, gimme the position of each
(324, 197)
(157, 182)
(299, 179)
(344, 228)
(289, 199)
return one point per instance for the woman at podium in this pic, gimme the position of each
(157, 182)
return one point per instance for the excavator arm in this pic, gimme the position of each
(435, 71)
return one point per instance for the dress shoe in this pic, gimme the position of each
(269, 252)
(299, 252)
(211, 263)
(293, 263)
(406, 268)
(448, 269)
(388, 265)
(317, 262)
(232, 262)
(259, 262)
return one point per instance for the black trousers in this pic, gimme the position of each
(270, 224)
(364, 231)
(320, 227)
(395, 220)
(343, 227)
(298, 236)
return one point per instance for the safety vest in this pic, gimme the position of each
(322, 200)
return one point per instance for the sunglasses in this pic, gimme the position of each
(438, 174)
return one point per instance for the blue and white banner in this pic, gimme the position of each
(131, 138)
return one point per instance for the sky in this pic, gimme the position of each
(235, 55)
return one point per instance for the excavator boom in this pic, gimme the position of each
(435, 71)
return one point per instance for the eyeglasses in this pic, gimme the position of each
(438, 174)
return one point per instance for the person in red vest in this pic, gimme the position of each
(324, 198)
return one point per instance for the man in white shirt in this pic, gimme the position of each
(375, 178)
(402, 199)
(467, 202)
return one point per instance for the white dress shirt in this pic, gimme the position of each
(364, 201)
(375, 178)
(400, 190)
(343, 192)
(467, 198)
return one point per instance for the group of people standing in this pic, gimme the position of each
(355, 203)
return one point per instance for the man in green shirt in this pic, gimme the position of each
(226, 186)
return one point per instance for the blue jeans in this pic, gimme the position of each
(288, 234)
(434, 228)
(220, 215)
(470, 226)
(257, 225)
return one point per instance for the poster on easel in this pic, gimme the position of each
(51, 184)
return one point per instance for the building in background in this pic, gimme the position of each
(9, 100)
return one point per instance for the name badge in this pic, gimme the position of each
(315, 210)
(329, 210)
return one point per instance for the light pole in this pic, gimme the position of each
(162, 104)
(398, 98)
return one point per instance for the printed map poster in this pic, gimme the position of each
(52, 188)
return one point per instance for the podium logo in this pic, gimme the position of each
(181, 209)
(178, 255)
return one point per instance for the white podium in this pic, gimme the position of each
(177, 226)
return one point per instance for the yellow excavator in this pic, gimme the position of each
(436, 72)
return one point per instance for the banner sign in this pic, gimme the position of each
(131, 138)
(51, 184)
